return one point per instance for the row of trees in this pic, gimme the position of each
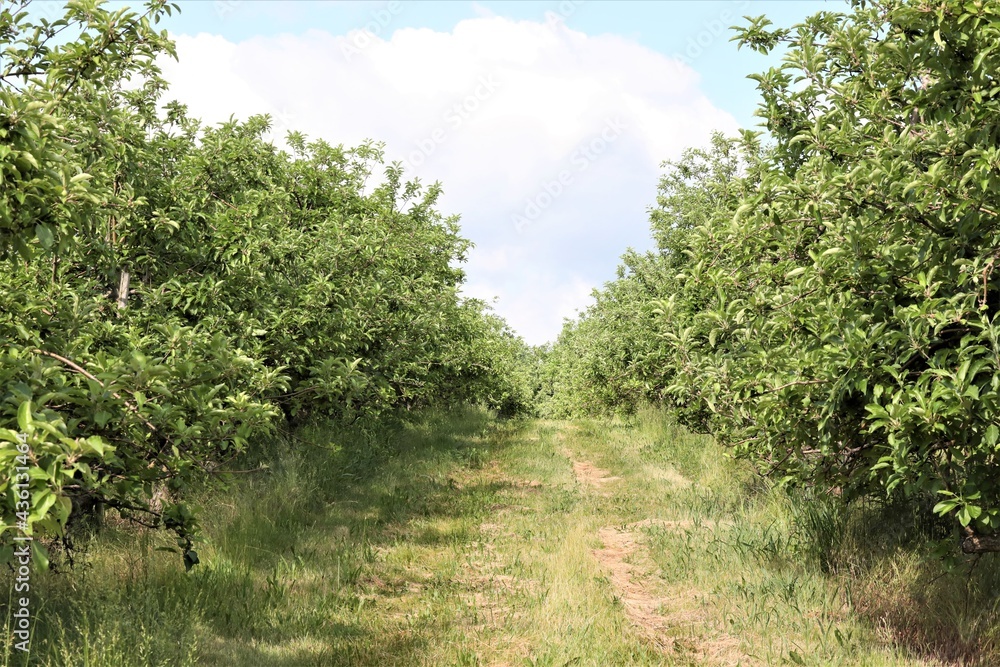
(169, 291)
(826, 302)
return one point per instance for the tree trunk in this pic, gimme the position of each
(123, 290)
(981, 544)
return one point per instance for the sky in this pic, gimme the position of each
(547, 123)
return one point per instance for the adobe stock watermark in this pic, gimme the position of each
(563, 11)
(281, 124)
(21, 612)
(359, 40)
(223, 8)
(486, 86)
(453, 118)
(711, 30)
(580, 160)
(50, 10)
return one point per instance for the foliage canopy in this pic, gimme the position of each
(828, 304)
(171, 290)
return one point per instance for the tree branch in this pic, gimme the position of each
(90, 376)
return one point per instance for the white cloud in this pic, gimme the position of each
(498, 111)
(562, 297)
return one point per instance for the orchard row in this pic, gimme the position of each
(171, 291)
(824, 298)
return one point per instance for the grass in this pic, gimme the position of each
(459, 540)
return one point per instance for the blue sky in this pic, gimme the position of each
(669, 27)
(546, 122)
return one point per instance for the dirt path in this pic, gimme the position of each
(588, 474)
(480, 544)
(662, 614)
(628, 565)
(631, 575)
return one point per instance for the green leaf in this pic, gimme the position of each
(795, 272)
(40, 555)
(944, 507)
(24, 420)
(44, 235)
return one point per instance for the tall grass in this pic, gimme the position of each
(802, 576)
(287, 545)
(455, 539)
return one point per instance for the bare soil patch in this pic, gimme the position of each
(671, 618)
(588, 474)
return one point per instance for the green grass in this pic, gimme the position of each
(459, 540)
